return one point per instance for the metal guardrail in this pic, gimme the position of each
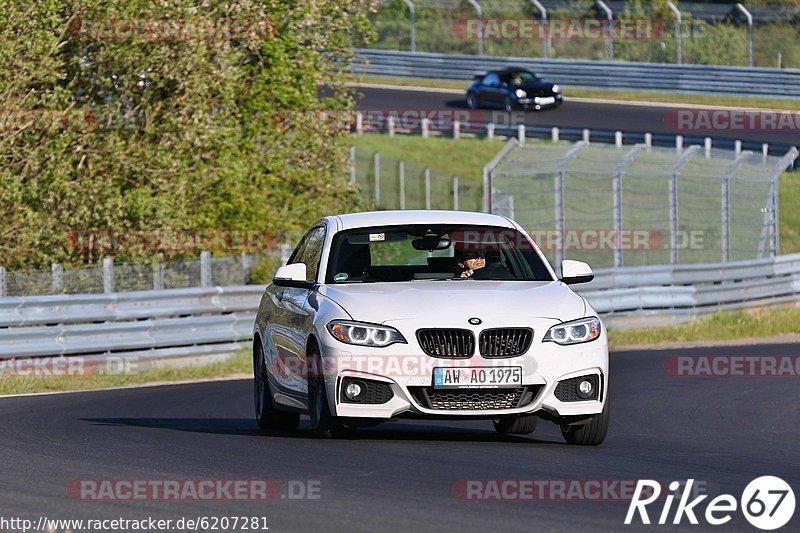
(705, 79)
(211, 322)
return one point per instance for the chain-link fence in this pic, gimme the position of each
(109, 277)
(635, 205)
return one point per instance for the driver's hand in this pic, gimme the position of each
(467, 273)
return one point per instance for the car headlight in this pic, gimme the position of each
(363, 334)
(520, 93)
(575, 332)
(556, 89)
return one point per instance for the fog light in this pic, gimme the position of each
(352, 390)
(585, 388)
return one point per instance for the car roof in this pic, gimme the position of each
(509, 70)
(423, 216)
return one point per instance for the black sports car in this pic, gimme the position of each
(512, 88)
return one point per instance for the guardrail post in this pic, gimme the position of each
(401, 171)
(3, 288)
(764, 152)
(648, 140)
(205, 269)
(456, 129)
(359, 122)
(708, 147)
(352, 164)
(554, 134)
(521, 133)
(427, 188)
(455, 193)
(57, 272)
(376, 164)
(490, 131)
(108, 275)
(586, 135)
(618, 139)
(679, 143)
(426, 127)
(158, 275)
(390, 125)
(737, 147)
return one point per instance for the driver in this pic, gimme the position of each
(473, 264)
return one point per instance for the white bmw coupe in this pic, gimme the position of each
(428, 314)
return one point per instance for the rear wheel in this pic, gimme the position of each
(592, 433)
(472, 101)
(515, 424)
(267, 416)
(323, 423)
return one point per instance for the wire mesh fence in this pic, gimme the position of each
(241, 269)
(635, 205)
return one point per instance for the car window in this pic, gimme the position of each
(309, 252)
(432, 252)
(491, 79)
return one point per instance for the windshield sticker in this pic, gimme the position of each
(341, 276)
(377, 237)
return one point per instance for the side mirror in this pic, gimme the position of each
(573, 272)
(293, 275)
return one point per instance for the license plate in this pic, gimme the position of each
(474, 377)
(547, 100)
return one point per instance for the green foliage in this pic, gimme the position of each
(189, 134)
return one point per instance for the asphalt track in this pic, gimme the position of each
(603, 116)
(400, 476)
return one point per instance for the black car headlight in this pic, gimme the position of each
(364, 334)
(556, 89)
(575, 332)
(520, 93)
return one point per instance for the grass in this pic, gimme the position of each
(718, 327)
(624, 95)
(15, 384)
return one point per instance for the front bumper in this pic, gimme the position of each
(408, 371)
(538, 102)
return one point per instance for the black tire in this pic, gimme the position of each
(515, 424)
(323, 423)
(592, 433)
(508, 105)
(267, 416)
(472, 101)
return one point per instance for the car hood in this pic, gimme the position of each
(382, 302)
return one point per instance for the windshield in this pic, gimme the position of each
(425, 252)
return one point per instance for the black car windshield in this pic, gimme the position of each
(521, 77)
(433, 252)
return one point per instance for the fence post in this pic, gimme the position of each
(648, 140)
(586, 135)
(359, 122)
(390, 125)
(678, 34)
(726, 204)
(426, 127)
(455, 193)
(610, 29)
(554, 134)
(764, 152)
(57, 272)
(413, 29)
(376, 160)
(561, 170)
(402, 172)
(479, 14)
(108, 275)
(618, 139)
(673, 202)
(708, 147)
(353, 164)
(247, 265)
(737, 147)
(521, 133)
(3, 288)
(158, 275)
(427, 188)
(205, 269)
(490, 131)
(456, 129)
(679, 143)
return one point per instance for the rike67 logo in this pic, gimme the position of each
(767, 503)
